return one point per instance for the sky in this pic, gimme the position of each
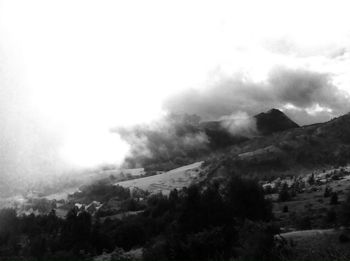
(72, 70)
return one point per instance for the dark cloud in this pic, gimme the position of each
(173, 139)
(305, 89)
(306, 96)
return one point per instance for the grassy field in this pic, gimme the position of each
(312, 203)
(165, 182)
(316, 245)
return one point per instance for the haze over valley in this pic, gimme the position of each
(158, 130)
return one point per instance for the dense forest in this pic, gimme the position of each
(197, 223)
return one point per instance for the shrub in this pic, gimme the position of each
(327, 192)
(284, 194)
(343, 238)
(304, 223)
(311, 179)
(331, 216)
(334, 199)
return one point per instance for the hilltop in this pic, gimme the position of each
(266, 123)
(273, 121)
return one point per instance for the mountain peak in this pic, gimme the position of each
(273, 120)
(274, 110)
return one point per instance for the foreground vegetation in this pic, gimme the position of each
(232, 220)
(212, 223)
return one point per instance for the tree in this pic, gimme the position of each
(204, 224)
(284, 194)
(256, 241)
(345, 211)
(174, 195)
(331, 217)
(304, 223)
(334, 198)
(327, 192)
(311, 179)
(8, 230)
(245, 199)
(76, 231)
(38, 246)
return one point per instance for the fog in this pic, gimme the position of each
(306, 96)
(70, 71)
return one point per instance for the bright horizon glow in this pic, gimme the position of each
(84, 67)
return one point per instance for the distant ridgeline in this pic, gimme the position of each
(181, 139)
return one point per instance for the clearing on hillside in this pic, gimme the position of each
(165, 182)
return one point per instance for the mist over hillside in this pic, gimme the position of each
(181, 139)
(174, 130)
(233, 110)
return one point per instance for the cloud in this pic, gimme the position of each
(284, 45)
(240, 124)
(303, 90)
(171, 139)
(28, 146)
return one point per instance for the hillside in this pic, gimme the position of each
(289, 151)
(165, 182)
(265, 123)
(178, 140)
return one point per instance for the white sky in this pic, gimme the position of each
(77, 67)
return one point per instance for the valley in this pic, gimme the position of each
(300, 174)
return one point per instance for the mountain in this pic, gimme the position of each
(307, 147)
(273, 121)
(183, 139)
(266, 123)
